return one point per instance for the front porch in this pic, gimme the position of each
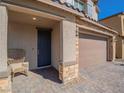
(23, 33)
(38, 36)
(19, 31)
(38, 81)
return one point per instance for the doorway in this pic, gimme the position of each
(44, 47)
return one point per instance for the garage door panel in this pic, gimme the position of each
(92, 50)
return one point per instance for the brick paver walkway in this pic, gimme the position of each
(105, 78)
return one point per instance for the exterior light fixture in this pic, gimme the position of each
(34, 18)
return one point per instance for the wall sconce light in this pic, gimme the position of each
(34, 18)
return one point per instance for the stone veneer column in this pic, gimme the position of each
(5, 82)
(68, 67)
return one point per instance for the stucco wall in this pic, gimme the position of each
(25, 37)
(3, 38)
(116, 23)
(56, 46)
(119, 48)
(68, 67)
(123, 35)
(68, 30)
(123, 23)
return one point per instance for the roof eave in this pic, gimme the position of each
(99, 25)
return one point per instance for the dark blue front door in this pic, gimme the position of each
(44, 47)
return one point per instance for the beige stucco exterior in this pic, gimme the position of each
(68, 50)
(24, 36)
(66, 25)
(56, 46)
(5, 83)
(69, 40)
(29, 42)
(116, 22)
(3, 38)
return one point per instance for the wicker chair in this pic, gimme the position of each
(16, 61)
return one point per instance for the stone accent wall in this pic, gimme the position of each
(68, 73)
(5, 85)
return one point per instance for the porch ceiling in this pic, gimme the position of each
(28, 19)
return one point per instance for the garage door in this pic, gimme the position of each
(92, 50)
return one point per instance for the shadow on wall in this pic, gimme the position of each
(48, 73)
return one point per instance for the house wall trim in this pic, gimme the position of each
(94, 30)
(99, 25)
(15, 6)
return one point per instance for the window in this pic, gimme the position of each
(81, 6)
(77, 4)
(90, 8)
(69, 2)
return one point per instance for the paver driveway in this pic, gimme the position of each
(104, 78)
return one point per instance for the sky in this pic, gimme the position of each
(110, 7)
